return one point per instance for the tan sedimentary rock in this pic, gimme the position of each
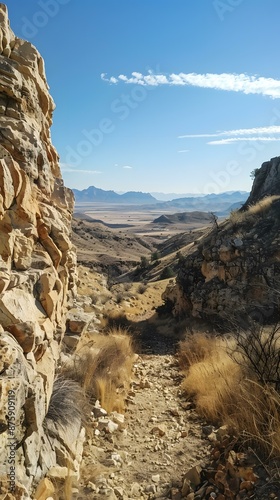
(37, 263)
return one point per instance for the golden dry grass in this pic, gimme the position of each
(103, 367)
(224, 394)
(259, 209)
(262, 206)
(195, 348)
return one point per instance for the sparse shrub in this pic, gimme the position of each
(142, 288)
(127, 286)
(155, 256)
(214, 220)
(119, 298)
(180, 257)
(167, 273)
(116, 320)
(260, 352)
(236, 217)
(254, 173)
(144, 263)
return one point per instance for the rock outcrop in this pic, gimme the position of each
(233, 272)
(37, 268)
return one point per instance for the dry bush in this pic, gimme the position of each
(224, 394)
(259, 349)
(127, 286)
(119, 298)
(142, 288)
(103, 368)
(114, 320)
(236, 217)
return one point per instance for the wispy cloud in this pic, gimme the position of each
(78, 171)
(248, 84)
(275, 129)
(127, 166)
(244, 139)
(183, 151)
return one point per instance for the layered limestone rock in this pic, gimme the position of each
(233, 272)
(37, 264)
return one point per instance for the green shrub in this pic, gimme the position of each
(167, 273)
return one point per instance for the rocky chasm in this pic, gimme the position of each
(231, 271)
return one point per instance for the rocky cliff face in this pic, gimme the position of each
(233, 272)
(37, 266)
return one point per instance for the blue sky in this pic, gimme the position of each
(159, 95)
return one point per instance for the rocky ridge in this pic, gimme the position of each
(37, 270)
(233, 271)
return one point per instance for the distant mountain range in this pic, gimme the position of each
(95, 195)
(222, 202)
(174, 196)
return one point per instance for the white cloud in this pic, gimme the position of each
(244, 139)
(127, 166)
(66, 169)
(110, 80)
(183, 151)
(248, 84)
(275, 129)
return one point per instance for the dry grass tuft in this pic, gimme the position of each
(195, 348)
(224, 394)
(68, 406)
(103, 368)
(262, 206)
(258, 210)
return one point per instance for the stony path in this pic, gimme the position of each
(159, 440)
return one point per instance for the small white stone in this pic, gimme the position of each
(112, 427)
(156, 478)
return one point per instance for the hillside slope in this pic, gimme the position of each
(234, 271)
(110, 251)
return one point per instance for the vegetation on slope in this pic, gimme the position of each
(231, 384)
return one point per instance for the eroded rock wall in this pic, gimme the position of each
(37, 261)
(232, 274)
